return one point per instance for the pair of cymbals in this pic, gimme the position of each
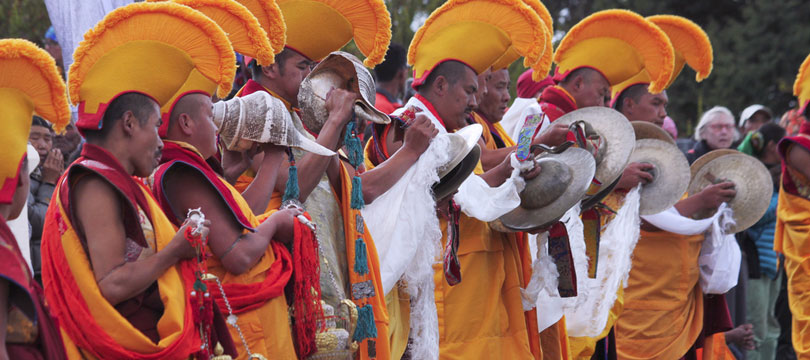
(751, 179)
(670, 168)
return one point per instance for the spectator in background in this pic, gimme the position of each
(764, 277)
(43, 182)
(753, 117)
(391, 75)
(670, 127)
(68, 142)
(716, 130)
(53, 48)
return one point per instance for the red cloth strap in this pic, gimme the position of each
(173, 154)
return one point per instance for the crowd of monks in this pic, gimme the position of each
(323, 237)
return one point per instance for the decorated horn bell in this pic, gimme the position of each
(260, 118)
(340, 70)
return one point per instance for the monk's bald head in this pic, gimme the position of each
(191, 121)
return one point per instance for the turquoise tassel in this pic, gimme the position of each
(357, 194)
(291, 188)
(360, 257)
(354, 147)
(366, 328)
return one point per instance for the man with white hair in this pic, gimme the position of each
(714, 131)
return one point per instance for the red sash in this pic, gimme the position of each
(555, 102)
(176, 155)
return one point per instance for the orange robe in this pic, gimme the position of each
(791, 239)
(663, 303)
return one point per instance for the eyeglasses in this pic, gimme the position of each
(718, 127)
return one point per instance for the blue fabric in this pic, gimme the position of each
(762, 233)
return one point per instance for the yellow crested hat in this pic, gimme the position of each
(618, 44)
(315, 28)
(801, 87)
(29, 83)
(149, 48)
(476, 33)
(246, 34)
(247, 38)
(691, 45)
(541, 65)
(269, 15)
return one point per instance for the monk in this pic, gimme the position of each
(492, 268)
(792, 229)
(242, 247)
(26, 328)
(654, 293)
(103, 211)
(491, 108)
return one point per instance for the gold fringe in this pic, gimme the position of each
(227, 68)
(20, 48)
(548, 33)
(802, 78)
(278, 30)
(376, 54)
(533, 49)
(644, 28)
(262, 50)
(696, 50)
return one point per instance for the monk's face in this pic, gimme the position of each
(204, 131)
(591, 89)
(292, 73)
(483, 79)
(650, 108)
(459, 100)
(493, 104)
(145, 142)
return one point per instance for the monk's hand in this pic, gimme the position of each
(180, 247)
(419, 133)
(714, 195)
(339, 105)
(554, 136)
(531, 174)
(634, 174)
(53, 166)
(284, 221)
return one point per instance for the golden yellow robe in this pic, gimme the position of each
(791, 239)
(663, 302)
(483, 315)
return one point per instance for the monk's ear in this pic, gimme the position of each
(129, 122)
(271, 71)
(184, 123)
(441, 85)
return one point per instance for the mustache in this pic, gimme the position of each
(469, 110)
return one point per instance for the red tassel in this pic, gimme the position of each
(307, 288)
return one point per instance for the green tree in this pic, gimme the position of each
(26, 19)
